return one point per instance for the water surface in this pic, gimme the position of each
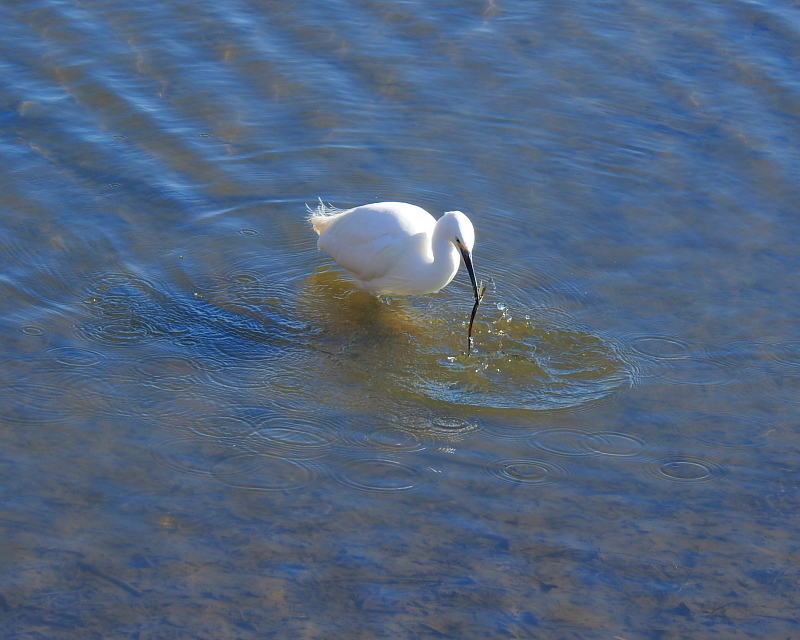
(207, 432)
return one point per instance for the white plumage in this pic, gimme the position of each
(394, 248)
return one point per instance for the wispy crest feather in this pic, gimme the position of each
(321, 215)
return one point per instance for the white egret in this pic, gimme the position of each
(397, 249)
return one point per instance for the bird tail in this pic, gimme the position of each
(322, 215)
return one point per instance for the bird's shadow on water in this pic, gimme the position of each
(417, 347)
(357, 321)
(409, 346)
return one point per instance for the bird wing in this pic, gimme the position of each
(362, 246)
(366, 257)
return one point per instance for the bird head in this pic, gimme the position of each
(461, 233)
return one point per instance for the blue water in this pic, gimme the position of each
(207, 432)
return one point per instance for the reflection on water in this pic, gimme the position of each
(517, 363)
(207, 432)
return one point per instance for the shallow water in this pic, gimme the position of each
(207, 432)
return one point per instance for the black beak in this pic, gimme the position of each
(467, 257)
(465, 254)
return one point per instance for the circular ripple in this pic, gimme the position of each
(262, 472)
(33, 403)
(234, 418)
(450, 428)
(662, 347)
(701, 372)
(235, 348)
(611, 443)
(155, 366)
(117, 332)
(32, 330)
(75, 357)
(784, 389)
(527, 471)
(109, 281)
(293, 438)
(394, 439)
(171, 373)
(288, 385)
(787, 353)
(452, 424)
(288, 382)
(244, 277)
(25, 176)
(507, 432)
(223, 426)
(446, 428)
(380, 475)
(113, 393)
(170, 383)
(240, 375)
(196, 456)
(564, 442)
(683, 469)
(728, 431)
(203, 286)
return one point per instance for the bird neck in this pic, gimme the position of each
(445, 263)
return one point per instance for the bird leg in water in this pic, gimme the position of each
(478, 299)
